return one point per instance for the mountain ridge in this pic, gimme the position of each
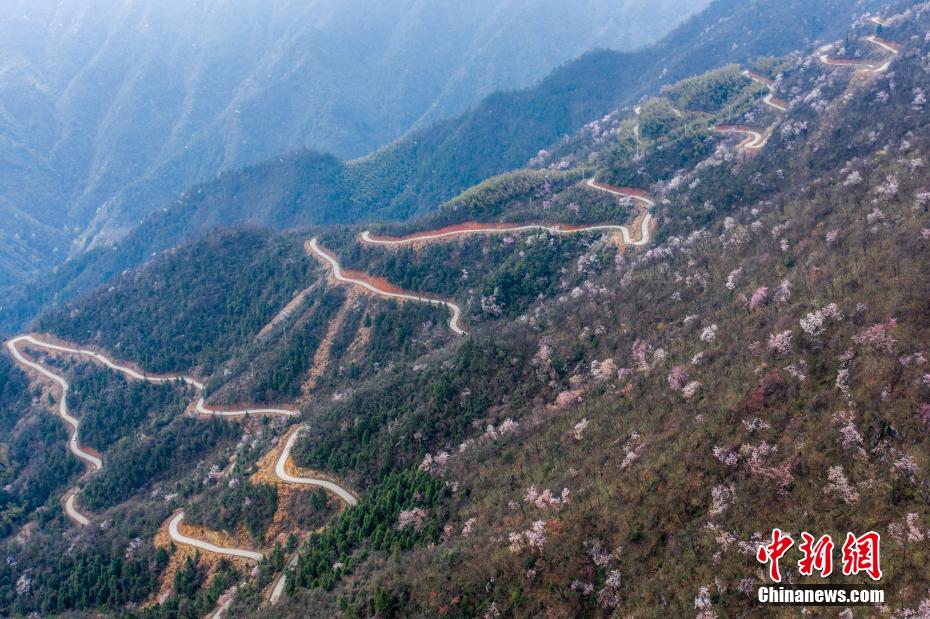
(110, 107)
(619, 430)
(416, 173)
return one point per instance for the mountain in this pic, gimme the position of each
(110, 107)
(418, 172)
(589, 388)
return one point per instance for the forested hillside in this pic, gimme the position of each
(193, 307)
(152, 452)
(713, 323)
(428, 166)
(109, 108)
(34, 463)
(762, 366)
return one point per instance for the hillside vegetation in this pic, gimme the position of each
(419, 171)
(107, 110)
(193, 307)
(620, 428)
(712, 391)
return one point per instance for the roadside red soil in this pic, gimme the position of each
(462, 227)
(379, 283)
(468, 226)
(208, 559)
(761, 78)
(632, 191)
(735, 128)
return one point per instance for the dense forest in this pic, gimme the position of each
(50, 572)
(368, 335)
(212, 310)
(34, 461)
(14, 393)
(502, 277)
(241, 502)
(618, 431)
(145, 440)
(112, 408)
(194, 593)
(139, 463)
(440, 402)
(400, 512)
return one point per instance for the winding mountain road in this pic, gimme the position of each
(865, 67)
(624, 192)
(175, 534)
(280, 471)
(497, 228)
(74, 446)
(770, 99)
(478, 228)
(93, 461)
(381, 289)
(886, 45)
(754, 140)
(200, 406)
(72, 511)
(482, 228)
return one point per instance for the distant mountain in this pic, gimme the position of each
(109, 107)
(418, 172)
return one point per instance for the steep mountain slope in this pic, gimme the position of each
(225, 288)
(621, 427)
(34, 459)
(762, 367)
(429, 166)
(108, 108)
